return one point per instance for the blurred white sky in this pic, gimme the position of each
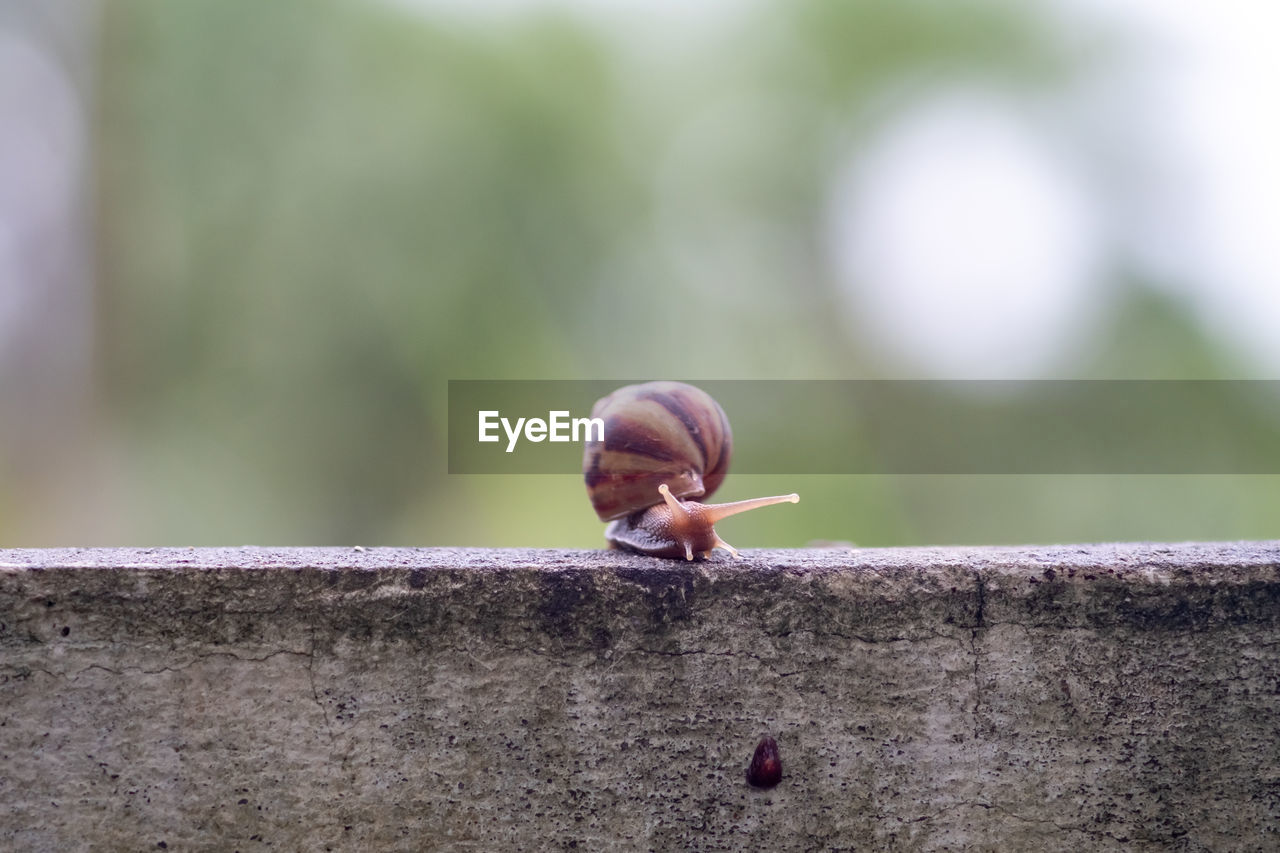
(920, 232)
(966, 247)
(970, 238)
(44, 293)
(1216, 83)
(41, 145)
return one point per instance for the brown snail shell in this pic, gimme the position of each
(663, 442)
(655, 433)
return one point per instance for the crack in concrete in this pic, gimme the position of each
(729, 654)
(978, 625)
(1058, 827)
(979, 804)
(137, 670)
(315, 694)
(679, 654)
(867, 640)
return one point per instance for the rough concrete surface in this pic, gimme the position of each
(1097, 697)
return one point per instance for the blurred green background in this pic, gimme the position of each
(244, 245)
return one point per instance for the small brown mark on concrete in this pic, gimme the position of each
(766, 765)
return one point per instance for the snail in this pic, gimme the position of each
(666, 447)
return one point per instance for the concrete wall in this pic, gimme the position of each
(1066, 698)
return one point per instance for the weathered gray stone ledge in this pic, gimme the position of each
(1061, 698)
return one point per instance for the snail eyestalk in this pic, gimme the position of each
(677, 508)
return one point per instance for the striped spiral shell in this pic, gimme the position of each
(655, 433)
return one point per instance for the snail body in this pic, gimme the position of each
(666, 447)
